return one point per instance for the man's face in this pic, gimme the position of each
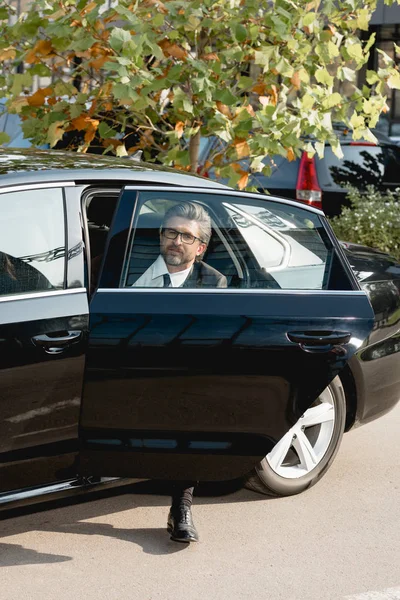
(175, 252)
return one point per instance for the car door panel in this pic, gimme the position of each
(43, 337)
(201, 384)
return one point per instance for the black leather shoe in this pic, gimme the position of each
(180, 525)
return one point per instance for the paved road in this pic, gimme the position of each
(339, 540)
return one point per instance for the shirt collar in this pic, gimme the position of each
(159, 267)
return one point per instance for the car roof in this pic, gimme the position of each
(25, 166)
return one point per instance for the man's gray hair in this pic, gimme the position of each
(192, 212)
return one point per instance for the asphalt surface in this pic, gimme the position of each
(339, 540)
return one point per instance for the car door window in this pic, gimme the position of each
(32, 241)
(252, 243)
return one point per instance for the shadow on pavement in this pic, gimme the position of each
(71, 516)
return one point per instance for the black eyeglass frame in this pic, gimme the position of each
(163, 229)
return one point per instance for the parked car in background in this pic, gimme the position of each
(323, 183)
(258, 380)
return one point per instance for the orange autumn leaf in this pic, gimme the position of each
(237, 168)
(106, 89)
(159, 6)
(173, 50)
(242, 148)
(259, 89)
(88, 8)
(42, 49)
(273, 94)
(7, 54)
(80, 123)
(223, 108)
(295, 80)
(210, 56)
(91, 130)
(110, 142)
(243, 181)
(179, 128)
(290, 155)
(99, 62)
(92, 108)
(39, 97)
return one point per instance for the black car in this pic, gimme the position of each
(101, 378)
(324, 183)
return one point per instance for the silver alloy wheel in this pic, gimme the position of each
(306, 443)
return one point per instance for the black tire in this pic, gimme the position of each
(265, 480)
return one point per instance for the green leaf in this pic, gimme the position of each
(332, 100)
(4, 138)
(333, 50)
(75, 110)
(158, 20)
(372, 77)
(82, 44)
(307, 102)
(322, 76)
(121, 150)
(262, 57)
(363, 18)
(355, 51)
(119, 38)
(226, 97)
(20, 82)
(393, 80)
(357, 121)
(308, 19)
(240, 32)
(55, 133)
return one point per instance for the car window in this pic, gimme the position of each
(32, 241)
(251, 244)
(361, 165)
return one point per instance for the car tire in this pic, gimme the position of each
(306, 452)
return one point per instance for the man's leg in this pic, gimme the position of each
(180, 521)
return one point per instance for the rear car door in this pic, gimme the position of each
(201, 382)
(43, 334)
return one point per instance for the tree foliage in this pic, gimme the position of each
(266, 77)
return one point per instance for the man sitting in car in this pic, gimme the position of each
(184, 236)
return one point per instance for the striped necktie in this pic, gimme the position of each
(167, 280)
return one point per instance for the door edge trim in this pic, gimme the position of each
(30, 296)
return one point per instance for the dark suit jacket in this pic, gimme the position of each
(203, 276)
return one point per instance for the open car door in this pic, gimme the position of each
(199, 383)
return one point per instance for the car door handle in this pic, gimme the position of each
(56, 343)
(318, 341)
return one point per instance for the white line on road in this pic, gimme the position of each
(388, 594)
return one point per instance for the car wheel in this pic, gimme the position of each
(306, 452)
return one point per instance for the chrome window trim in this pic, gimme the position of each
(222, 192)
(258, 291)
(36, 186)
(33, 295)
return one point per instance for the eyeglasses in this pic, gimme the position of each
(187, 238)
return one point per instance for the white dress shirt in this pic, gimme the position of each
(154, 276)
